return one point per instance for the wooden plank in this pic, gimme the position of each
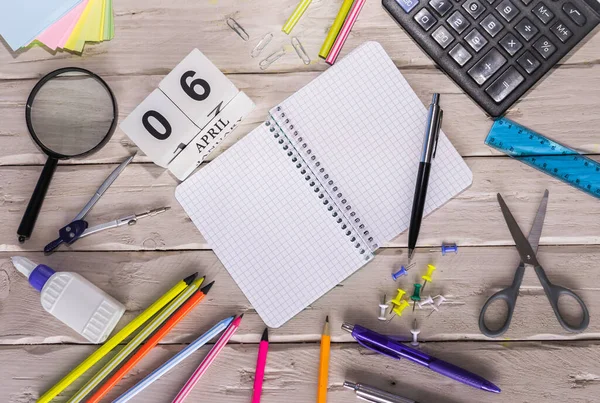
(464, 123)
(466, 279)
(526, 372)
(471, 218)
(153, 36)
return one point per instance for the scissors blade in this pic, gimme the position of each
(538, 223)
(523, 246)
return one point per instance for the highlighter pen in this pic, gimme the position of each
(432, 132)
(261, 362)
(389, 347)
(374, 395)
(335, 28)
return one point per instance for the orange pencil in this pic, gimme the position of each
(324, 366)
(151, 343)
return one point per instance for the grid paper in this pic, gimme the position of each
(364, 126)
(272, 232)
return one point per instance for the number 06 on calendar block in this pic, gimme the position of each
(193, 104)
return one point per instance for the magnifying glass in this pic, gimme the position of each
(70, 113)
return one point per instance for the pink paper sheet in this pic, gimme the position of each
(57, 34)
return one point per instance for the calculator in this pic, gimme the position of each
(496, 50)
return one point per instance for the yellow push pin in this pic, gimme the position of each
(398, 299)
(427, 277)
(398, 309)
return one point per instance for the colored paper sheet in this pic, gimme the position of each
(22, 20)
(87, 28)
(108, 21)
(53, 35)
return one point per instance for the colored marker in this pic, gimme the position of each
(189, 385)
(116, 339)
(136, 341)
(175, 360)
(335, 28)
(345, 31)
(295, 17)
(181, 313)
(324, 365)
(261, 362)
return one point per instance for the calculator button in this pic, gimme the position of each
(458, 22)
(460, 55)
(441, 6)
(528, 62)
(487, 66)
(425, 19)
(407, 5)
(574, 14)
(476, 40)
(490, 2)
(507, 10)
(526, 29)
(442, 36)
(543, 13)
(491, 25)
(544, 47)
(561, 31)
(511, 44)
(474, 8)
(526, 2)
(505, 84)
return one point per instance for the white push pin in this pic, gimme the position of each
(424, 302)
(415, 332)
(382, 308)
(439, 300)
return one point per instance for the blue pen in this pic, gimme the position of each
(394, 349)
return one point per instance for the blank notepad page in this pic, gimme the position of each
(268, 226)
(365, 126)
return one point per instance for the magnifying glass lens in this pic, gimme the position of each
(72, 113)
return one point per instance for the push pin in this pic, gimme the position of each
(398, 309)
(415, 332)
(427, 277)
(416, 295)
(382, 308)
(399, 273)
(449, 248)
(439, 300)
(427, 301)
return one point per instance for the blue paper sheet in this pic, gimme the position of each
(22, 20)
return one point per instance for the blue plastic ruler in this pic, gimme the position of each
(548, 156)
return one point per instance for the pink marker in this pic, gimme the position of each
(189, 385)
(261, 362)
(345, 31)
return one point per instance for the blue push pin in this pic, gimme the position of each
(399, 273)
(449, 248)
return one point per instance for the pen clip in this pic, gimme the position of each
(438, 129)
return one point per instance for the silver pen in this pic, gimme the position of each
(374, 395)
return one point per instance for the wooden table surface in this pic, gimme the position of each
(535, 361)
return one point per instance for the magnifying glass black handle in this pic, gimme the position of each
(36, 201)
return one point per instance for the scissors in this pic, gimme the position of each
(526, 248)
(78, 228)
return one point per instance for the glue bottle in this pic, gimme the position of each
(73, 300)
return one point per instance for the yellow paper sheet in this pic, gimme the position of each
(88, 27)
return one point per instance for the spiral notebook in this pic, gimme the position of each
(305, 199)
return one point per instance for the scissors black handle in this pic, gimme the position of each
(509, 295)
(553, 292)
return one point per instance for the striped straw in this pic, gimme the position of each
(345, 31)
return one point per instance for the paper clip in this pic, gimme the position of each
(265, 63)
(237, 28)
(300, 50)
(261, 45)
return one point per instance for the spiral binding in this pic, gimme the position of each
(358, 232)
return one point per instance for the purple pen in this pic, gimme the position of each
(394, 349)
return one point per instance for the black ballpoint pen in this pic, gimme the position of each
(432, 132)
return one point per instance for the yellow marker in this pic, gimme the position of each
(335, 28)
(116, 339)
(398, 300)
(324, 364)
(295, 17)
(401, 307)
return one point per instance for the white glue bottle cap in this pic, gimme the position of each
(38, 274)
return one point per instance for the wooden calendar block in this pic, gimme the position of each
(211, 136)
(159, 128)
(198, 88)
